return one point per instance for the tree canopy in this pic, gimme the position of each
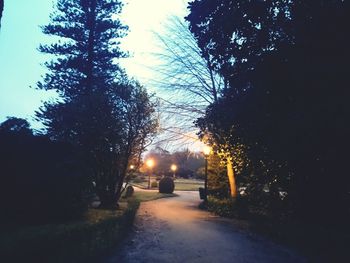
(106, 115)
(286, 102)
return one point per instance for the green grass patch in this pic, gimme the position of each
(80, 241)
(143, 196)
(180, 184)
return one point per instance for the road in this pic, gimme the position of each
(175, 230)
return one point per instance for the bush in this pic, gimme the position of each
(166, 185)
(228, 207)
(154, 184)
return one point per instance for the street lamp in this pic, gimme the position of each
(206, 151)
(150, 164)
(173, 167)
(132, 167)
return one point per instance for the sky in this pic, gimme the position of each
(21, 64)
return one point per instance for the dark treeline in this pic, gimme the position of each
(188, 164)
(284, 114)
(41, 180)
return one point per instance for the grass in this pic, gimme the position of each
(180, 184)
(77, 241)
(144, 196)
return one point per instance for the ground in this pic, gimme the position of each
(175, 230)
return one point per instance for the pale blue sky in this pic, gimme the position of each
(20, 35)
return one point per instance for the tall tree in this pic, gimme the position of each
(96, 96)
(187, 79)
(286, 102)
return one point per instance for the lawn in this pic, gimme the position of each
(76, 241)
(144, 196)
(180, 184)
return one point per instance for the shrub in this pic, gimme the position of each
(154, 184)
(228, 207)
(166, 185)
(129, 191)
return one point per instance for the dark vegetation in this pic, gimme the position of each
(103, 113)
(166, 185)
(1, 9)
(80, 241)
(283, 115)
(284, 111)
(41, 180)
(100, 123)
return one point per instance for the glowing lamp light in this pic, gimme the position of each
(150, 163)
(206, 150)
(173, 167)
(132, 167)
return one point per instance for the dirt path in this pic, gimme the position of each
(175, 230)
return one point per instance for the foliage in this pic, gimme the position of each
(223, 206)
(41, 180)
(217, 178)
(166, 185)
(286, 102)
(101, 112)
(74, 242)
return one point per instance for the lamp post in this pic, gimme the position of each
(206, 151)
(173, 168)
(150, 164)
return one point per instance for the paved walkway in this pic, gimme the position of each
(175, 230)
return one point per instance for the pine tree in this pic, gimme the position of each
(92, 112)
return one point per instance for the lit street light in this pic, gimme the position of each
(150, 164)
(206, 151)
(173, 168)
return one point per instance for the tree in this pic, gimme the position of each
(280, 98)
(1, 9)
(187, 79)
(236, 34)
(13, 124)
(96, 111)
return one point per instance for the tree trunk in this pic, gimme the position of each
(231, 178)
(108, 201)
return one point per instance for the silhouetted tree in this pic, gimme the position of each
(287, 96)
(1, 9)
(97, 99)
